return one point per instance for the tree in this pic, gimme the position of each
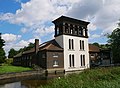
(114, 40)
(31, 45)
(2, 52)
(12, 53)
(2, 42)
(96, 44)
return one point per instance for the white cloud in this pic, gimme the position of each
(92, 27)
(45, 30)
(10, 37)
(18, 45)
(95, 36)
(104, 14)
(24, 30)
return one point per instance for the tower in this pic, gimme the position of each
(72, 35)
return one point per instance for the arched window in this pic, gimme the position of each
(66, 28)
(76, 29)
(71, 29)
(82, 60)
(69, 43)
(72, 44)
(71, 60)
(58, 31)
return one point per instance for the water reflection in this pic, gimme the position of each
(27, 82)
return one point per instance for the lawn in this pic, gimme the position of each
(8, 69)
(93, 78)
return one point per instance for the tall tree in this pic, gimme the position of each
(2, 52)
(96, 44)
(114, 40)
(12, 53)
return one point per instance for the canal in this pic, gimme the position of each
(27, 82)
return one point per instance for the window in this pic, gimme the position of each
(55, 63)
(71, 29)
(66, 28)
(71, 44)
(57, 30)
(71, 60)
(55, 55)
(81, 45)
(82, 60)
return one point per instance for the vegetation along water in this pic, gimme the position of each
(93, 78)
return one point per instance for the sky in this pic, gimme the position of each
(22, 21)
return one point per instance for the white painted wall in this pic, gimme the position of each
(63, 41)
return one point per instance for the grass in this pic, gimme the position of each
(9, 69)
(94, 78)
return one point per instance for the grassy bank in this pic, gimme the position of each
(94, 78)
(8, 69)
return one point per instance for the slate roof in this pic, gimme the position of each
(50, 45)
(93, 48)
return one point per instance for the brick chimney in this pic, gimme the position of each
(36, 45)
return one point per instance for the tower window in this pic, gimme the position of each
(71, 29)
(82, 60)
(81, 45)
(71, 44)
(71, 60)
(66, 28)
(58, 30)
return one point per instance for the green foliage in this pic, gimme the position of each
(31, 45)
(12, 53)
(114, 40)
(96, 44)
(8, 69)
(9, 61)
(2, 55)
(94, 78)
(2, 42)
(2, 52)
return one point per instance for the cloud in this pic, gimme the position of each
(24, 30)
(18, 45)
(45, 30)
(95, 36)
(10, 37)
(104, 14)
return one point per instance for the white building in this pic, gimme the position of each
(72, 35)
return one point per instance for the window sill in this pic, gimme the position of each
(55, 65)
(71, 49)
(81, 50)
(82, 66)
(71, 67)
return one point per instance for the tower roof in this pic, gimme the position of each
(69, 19)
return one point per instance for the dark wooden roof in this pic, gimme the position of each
(29, 51)
(50, 45)
(69, 19)
(93, 48)
(18, 55)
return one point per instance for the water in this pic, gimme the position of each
(27, 82)
(24, 82)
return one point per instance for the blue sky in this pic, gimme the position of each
(21, 21)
